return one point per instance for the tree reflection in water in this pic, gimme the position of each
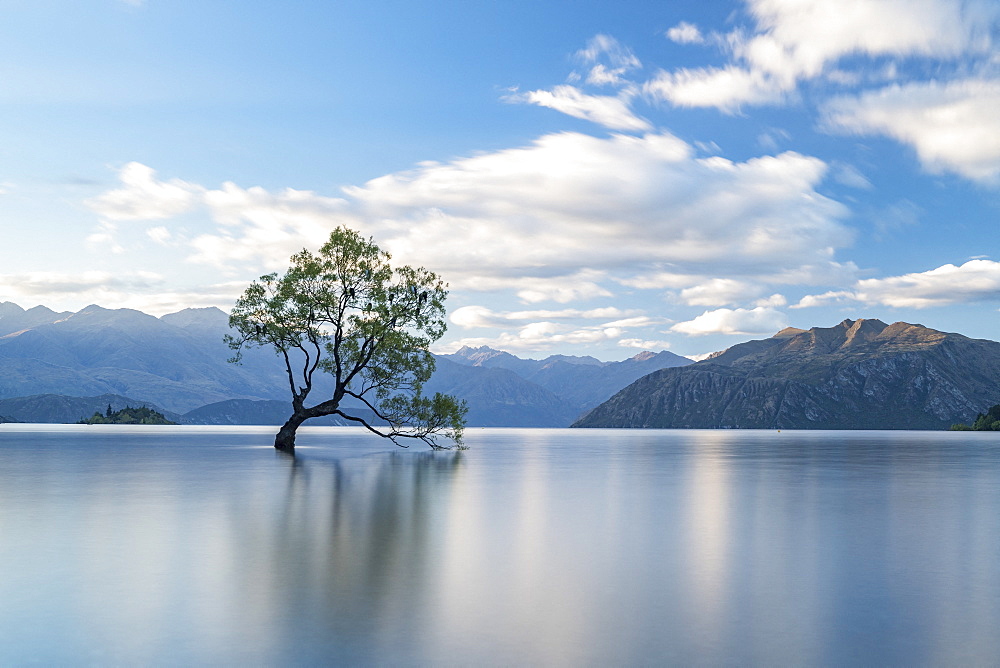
(350, 550)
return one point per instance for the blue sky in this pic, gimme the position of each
(590, 177)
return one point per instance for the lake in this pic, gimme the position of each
(202, 545)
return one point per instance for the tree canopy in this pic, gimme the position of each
(347, 312)
(988, 421)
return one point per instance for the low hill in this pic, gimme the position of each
(860, 374)
(62, 409)
(250, 412)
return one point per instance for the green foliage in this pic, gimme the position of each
(989, 421)
(346, 311)
(127, 415)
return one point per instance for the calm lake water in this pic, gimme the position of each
(202, 545)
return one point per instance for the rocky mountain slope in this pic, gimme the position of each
(860, 374)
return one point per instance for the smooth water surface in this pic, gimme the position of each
(202, 545)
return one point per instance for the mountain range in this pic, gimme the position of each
(860, 374)
(55, 364)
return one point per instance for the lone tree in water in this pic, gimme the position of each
(348, 313)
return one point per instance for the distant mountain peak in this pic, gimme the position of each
(786, 333)
(9, 308)
(469, 350)
(208, 316)
(863, 331)
(478, 356)
(573, 359)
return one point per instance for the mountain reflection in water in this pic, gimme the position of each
(546, 547)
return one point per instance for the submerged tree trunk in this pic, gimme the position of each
(285, 439)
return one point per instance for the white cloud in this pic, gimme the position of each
(105, 237)
(605, 46)
(719, 292)
(560, 220)
(607, 110)
(601, 75)
(538, 336)
(578, 287)
(774, 300)
(798, 39)
(654, 280)
(159, 235)
(144, 197)
(543, 334)
(635, 321)
(617, 60)
(952, 126)
(571, 200)
(825, 299)
(645, 344)
(976, 280)
(263, 228)
(685, 33)
(759, 320)
(794, 40)
(727, 88)
(470, 317)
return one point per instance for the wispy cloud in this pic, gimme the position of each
(609, 61)
(685, 33)
(608, 110)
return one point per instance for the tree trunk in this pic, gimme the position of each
(285, 439)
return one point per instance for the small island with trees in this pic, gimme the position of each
(127, 415)
(988, 421)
